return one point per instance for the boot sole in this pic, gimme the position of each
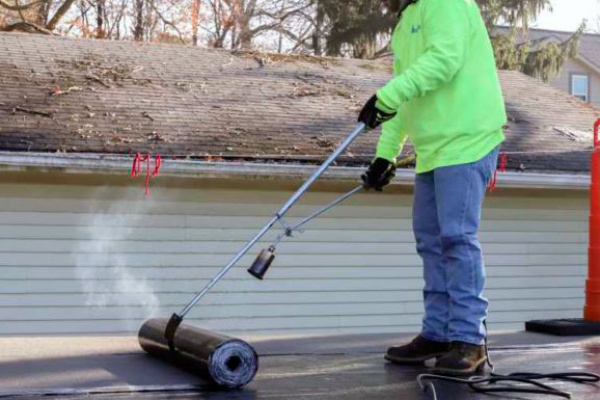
(478, 368)
(411, 361)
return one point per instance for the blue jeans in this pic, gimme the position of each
(446, 215)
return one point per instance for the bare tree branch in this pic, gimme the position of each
(100, 19)
(20, 11)
(138, 29)
(17, 7)
(167, 22)
(116, 23)
(62, 10)
(196, 5)
(23, 26)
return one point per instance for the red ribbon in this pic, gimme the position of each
(137, 167)
(501, 168)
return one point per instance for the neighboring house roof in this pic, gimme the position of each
(589, 44)
(86, 96)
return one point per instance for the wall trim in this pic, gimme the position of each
(113, 164)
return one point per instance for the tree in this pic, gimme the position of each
(357, 24)
(236, 24)
(138, 29)
(361, 28)
(354, 28)
(512, 46)
(240, 22)
(33, 16)
(100, 16)
(195, 20)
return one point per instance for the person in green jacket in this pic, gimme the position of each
(446, 98)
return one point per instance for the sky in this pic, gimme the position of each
(568, 14)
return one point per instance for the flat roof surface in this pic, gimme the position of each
(343, 367)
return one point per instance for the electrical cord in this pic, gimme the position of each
(483, 384)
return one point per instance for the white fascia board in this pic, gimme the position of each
(107, 164)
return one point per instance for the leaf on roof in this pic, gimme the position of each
(574, 134)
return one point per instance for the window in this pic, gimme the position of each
(580, 87)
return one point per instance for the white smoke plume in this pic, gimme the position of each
(102, 265)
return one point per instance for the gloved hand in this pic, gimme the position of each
(375, 113)
(379, 174)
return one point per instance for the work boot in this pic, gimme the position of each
(417, 352)
(462, 359)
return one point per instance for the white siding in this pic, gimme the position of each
(353, 270)
(563, 80)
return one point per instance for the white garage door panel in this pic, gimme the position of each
(350, 308)
(354, 270)
(228, 222)
(276, 272)
(176, 300)
(310, 235)
(285, 248)
(298, 260)
(209, 205)
(277, 285)
(300, 325)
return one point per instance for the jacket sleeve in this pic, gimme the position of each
(391, 141)
(446, 33)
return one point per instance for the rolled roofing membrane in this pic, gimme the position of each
(225, 361)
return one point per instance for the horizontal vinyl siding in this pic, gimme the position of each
(353, 270)
(562, 81)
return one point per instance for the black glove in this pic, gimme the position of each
(379, 174)
(372, 115)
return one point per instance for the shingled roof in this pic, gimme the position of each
(86, 96)
(589, 43)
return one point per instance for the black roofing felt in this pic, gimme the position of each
(328, 368)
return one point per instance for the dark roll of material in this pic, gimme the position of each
(223, 360)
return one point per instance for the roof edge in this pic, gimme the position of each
(74, 163)
(580, 57)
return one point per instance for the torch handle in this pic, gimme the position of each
(360, 128)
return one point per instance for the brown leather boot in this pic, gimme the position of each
(462, 359)
(417, 352)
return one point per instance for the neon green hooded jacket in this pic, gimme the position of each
(445, 89)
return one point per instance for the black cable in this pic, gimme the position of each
(482, 384)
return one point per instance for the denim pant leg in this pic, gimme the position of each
(427, 235)
(460, 191)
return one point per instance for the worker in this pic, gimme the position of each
(446, 98)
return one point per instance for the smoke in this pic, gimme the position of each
(102, 264)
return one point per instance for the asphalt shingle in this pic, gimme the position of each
(86, 96)
(589, 44)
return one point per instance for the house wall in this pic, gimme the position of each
(563, 80)
(68, 265)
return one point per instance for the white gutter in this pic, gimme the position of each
(74, 163)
